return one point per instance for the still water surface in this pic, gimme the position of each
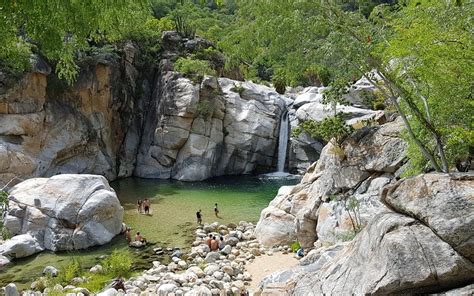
(172, 218)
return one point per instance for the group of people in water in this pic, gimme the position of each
(138, 236)
(143, 206)
(214, 243)
(199, 214)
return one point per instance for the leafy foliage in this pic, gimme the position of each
(295, 246)
(421, 50)
(189, 66)
(279, 81)
(4, 234)
(434, 70)
(331, 128)
(118, 264)
(59, 29)
(373, 99)
(70, 271)
(182, 26)
(205, 108)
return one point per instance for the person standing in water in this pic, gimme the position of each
(146, 206)
(128, 234)
(199, 217)
(139, 205)
(216, 210)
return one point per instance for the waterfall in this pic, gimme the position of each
(282, 142)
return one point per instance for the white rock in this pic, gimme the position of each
(57, 205)
(226, 250)
(182, 264)
(11, 290)
(108, 292)
(20, 246)
(196, 270)
(211, 268)
(166, 289)
(212, 257)
(4, 261)
(218, 275)
(96, 269)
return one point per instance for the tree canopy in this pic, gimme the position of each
(59, 28)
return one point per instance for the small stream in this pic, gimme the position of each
(171, 222)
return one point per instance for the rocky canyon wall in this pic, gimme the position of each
(119, 120)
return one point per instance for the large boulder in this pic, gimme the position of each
(65, 212)
(443, 202)
(393, 254)
(20, 246)
(318, 111)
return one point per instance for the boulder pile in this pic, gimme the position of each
(198, 271)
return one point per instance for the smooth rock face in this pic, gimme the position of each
(206, 130)
(317, 208)
(65, 212)
(276, 226)
(393, 254)
(88, 127)
(20, 246)
(443, 202)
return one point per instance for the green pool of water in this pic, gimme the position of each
(172, 219)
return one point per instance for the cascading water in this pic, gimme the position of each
(282, 147)
(282, 142)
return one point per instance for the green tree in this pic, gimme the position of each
(333, 128)
(59, 28)
(409, 49)
(429, 61)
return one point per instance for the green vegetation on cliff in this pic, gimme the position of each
(419, 53)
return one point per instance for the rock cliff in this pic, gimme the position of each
(123, 118)
(308, 105)
(49, 128)
(128, 116)
(420, 243)
(206, 130)
(339, 193)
